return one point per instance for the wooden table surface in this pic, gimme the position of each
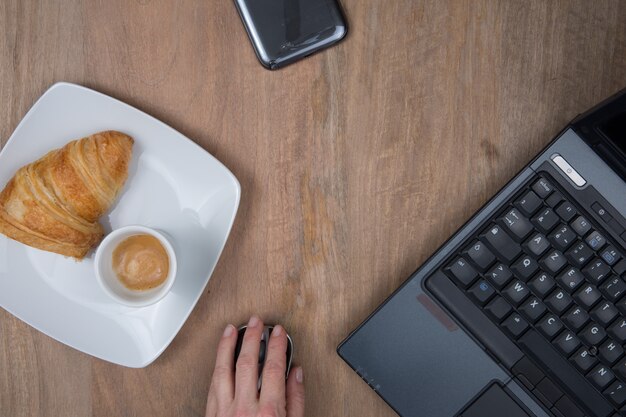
(355, 164)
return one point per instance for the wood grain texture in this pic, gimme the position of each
(355, 164)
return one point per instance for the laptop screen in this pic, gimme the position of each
(615, 130)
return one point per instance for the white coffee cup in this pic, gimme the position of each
(108, 280)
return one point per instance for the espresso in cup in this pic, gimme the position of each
(140, 262)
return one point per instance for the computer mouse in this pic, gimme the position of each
(267, 331)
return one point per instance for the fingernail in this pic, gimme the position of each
(254, 320)
(299, 375)
(278, 330)
(228, 330)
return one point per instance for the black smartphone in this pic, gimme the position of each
(284, 31)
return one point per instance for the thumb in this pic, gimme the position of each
(295, 393)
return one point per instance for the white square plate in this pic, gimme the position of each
(173, 186)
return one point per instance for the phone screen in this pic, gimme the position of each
(283, 31)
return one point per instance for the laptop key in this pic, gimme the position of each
(554, 199)
(481, 292)
(579, 254)
(529, 370)
(610, 255)
(604, 313)
(548, 358)
(556, 413)
(537, 244)
(595, 240)
(546, 220)
(517, 224)
(562, 237)
(570, 279)
(549, 390)
(542, 284)
(480, 255)
(543, 187)
(617, 227)
(553, 262)
(516, 292)
(610, 351)
(550, 326)
(494, 401)
(601, 376)
(621, 305)
(584, 360)
(593, 334)
(499, 275)
(567, 342)
(529, 203)
(613, 288)
(576, 318)
(559, 301)
(525, 267)
(620, 369)
(618, 330)
(587, 296)
(601, 211)
(566, 211)
(498, 308)
(501, 243)
(581, 226)
(533, 309)
(597, 271)
(568, 408)
(620, 267)
(462, 272)
(474, 319)
(616, 393)
(515, 325)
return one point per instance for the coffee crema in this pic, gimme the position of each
(141, 262)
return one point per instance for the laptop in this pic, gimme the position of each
(522, 313)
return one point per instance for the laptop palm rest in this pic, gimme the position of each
(494, 402)
(417, 359)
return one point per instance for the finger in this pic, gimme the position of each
(211, 406)
(295, 393)
(247, 374)
(223, 383)
(273, 389)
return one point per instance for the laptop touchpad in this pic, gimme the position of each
(494, 402)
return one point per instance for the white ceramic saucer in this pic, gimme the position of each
(174, 186)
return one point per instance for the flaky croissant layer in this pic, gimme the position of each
(55, 202)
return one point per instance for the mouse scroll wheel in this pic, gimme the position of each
(262, 351)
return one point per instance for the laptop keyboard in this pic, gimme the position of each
(547, 277)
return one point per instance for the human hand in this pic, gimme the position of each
(233, 391)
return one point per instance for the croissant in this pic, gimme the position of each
(54, 203)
